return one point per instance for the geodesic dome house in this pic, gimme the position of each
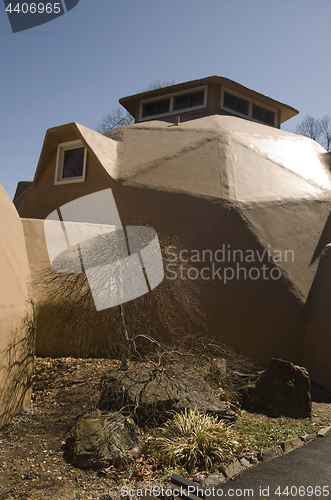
(248, 202)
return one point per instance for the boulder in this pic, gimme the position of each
(151, 392)
(281, 390)
(99, 440)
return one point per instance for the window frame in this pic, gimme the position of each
(239, 97)
(152, 102)
(264, 108)
(66, 146)
(172, 96)
(250, 107)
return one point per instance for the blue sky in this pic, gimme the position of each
(76, 67)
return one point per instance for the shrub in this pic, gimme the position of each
(192, 439)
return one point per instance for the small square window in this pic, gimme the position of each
(236, 103)
(189, 100)
(196, 99)
(181, 102)
(263, 115)
(71, 163)
(242, 106)
(149, 109)
(156, 107)
(229, 101)
(163, 106)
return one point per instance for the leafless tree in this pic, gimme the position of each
(317, 129)
(119, 117)
(169, 311)
(326, 132)
(158, 84)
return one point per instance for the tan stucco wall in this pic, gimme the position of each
(260, 318)
(317, 338)
(59, 332)
(213, 181)
(51, 196)
(16, 341)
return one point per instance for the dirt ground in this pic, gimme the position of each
(32, 464)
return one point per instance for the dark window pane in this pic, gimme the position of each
(235, 103)
(73, 162)
(189, 100)
(149, 109)
(229, 101)
(268, 117)
(263, 115)
(181, 102)
(196, 99)
(257, 113)
(242, 106)
(156, 107)
(162, 106)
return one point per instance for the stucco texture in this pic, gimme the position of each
(217, 182)
(16, 338)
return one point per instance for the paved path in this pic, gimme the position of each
(308, 467)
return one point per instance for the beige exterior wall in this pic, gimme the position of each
(260, 318)
(210, 182)
(214, 97)
(60, 331)
(16, 339)
(317, 338)
(47, 196)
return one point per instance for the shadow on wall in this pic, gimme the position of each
(326, 159)
(16, 369)
(70, 325)
(324, 239)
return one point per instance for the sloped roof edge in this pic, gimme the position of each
(103, 148)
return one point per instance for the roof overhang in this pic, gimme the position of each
(286, 112)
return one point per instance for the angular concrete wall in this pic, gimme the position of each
(317, 338)
(16, 329)
(211, 182)
(60, 328)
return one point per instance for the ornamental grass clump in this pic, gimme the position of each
(191, 439)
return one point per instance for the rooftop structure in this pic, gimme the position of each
(207, 96)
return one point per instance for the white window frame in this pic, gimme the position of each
(250, 107)
(171, 103)
(62, 147)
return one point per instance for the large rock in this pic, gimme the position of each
(281, 390)
(150, 392)
(99, 440)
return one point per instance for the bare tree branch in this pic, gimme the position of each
(309, 127)
(119, 117)
(317, 129)
(158, 84)
(326, 132)
(168, 311)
